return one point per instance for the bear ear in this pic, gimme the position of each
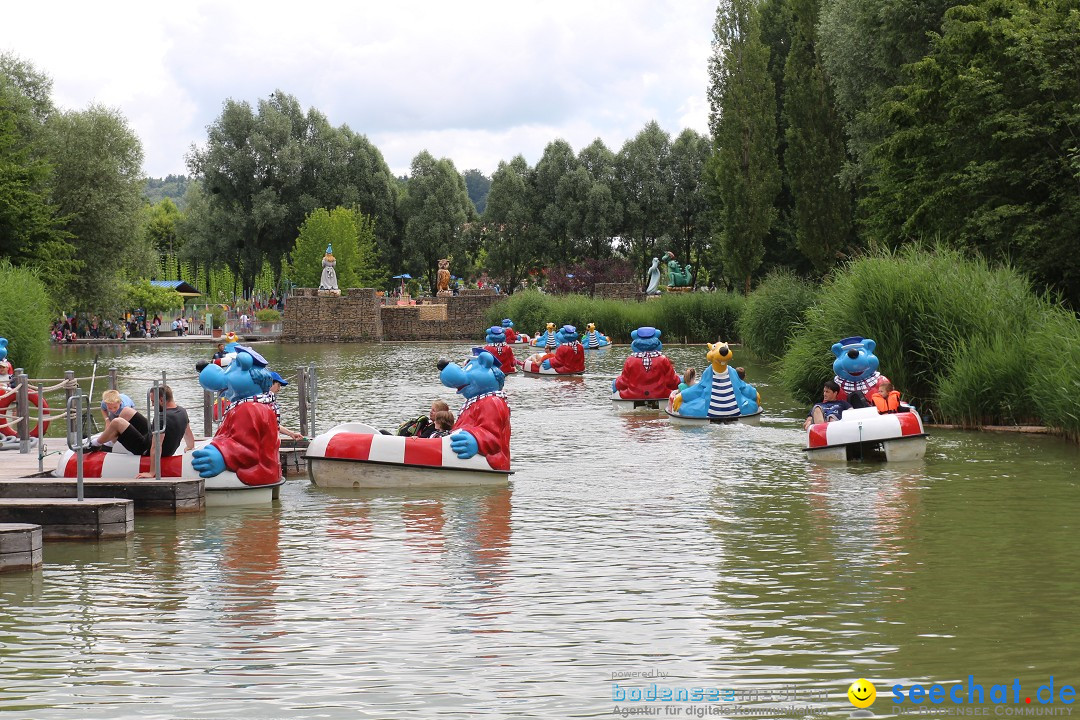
(633, 334)
(486, 359)
(244, 360)
(836, 348)
(657, 334)
(870, 345)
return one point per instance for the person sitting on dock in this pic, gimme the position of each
(112, 402)
(829, 409)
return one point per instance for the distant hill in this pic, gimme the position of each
(173, 187)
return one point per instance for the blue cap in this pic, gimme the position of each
(569, 329)
(646, 332)
(507, 322)
(856, 340)
(277, 378)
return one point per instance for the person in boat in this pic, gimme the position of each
(270, 398)
(887, 400)
(132, 430)
(423, 425)
(830, 408)
(444, 423)
(112, 402)
(689, 378)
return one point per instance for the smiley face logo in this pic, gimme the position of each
(862, 693)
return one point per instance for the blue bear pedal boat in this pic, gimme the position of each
(356, 455)
(864, 433)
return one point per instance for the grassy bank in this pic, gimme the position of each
(683, 317)
(969, 342)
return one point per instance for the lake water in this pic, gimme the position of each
(625, 551)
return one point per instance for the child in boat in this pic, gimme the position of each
(886, 400)
(444, 423)
(689, 378)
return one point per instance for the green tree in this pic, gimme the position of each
(512, 238)
(689, 154)
(151, 298)
(815, 153)
(601, 212)
(478, 185)
(985, 151)
(645, 190)
(31, 227)
(161, 230)
(98, 184)
(436, 207)
(743, 168)
(352, 237)
(557, 197)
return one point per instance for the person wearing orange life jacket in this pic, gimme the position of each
(886, 400)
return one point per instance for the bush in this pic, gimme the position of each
(683, 317)
(773, 313)
(25, 317)
(929, 312)
(267, 315)
(1054, 379)
(218, 317)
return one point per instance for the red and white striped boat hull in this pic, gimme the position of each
(534, 368)
(222, 489)
(356, 455)
(899, 435)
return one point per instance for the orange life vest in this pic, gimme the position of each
(888, 404)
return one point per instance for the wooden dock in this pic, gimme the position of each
(69, 519)
(168, 496)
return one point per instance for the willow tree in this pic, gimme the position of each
(743, 168)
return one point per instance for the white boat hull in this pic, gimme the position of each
(365, 458)
(676, 419)
(864, 433)
(536, 370)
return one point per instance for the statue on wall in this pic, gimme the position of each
(677, 276)
(443, 278)
(328, 284)
(654, 278)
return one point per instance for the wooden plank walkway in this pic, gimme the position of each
(13, 464)
(168, 496)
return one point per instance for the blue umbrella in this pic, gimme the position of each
(406, 276)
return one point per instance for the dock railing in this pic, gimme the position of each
(17, 412)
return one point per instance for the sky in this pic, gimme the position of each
(476, 82)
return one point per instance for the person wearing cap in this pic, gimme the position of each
(270, 398)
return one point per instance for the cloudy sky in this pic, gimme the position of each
(476, 82)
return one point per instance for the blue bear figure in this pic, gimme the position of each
(247, 441)
(483, 423)
(856, 367)
(569, 356)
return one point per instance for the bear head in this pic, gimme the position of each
(3, 349)
(566, 334)
(496, 334)
(245, 376)
(507, 323)
(591, 327)
(855, 358)
(645, 339)
(478, 375)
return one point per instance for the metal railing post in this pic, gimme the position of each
(208, 413)
(313, 393)
(301, 390)
(70, 392)
(41, 427)
(22, 407)
(112, 379)
(75, 438)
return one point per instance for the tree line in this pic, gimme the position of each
(836, 127)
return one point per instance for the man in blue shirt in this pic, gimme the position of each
(829, 409)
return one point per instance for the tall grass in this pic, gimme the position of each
(1054, 370)
(925, 310)
(25, 317)
(773, 313)
(683, 317)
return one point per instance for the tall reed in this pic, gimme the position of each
(773, 313)
(25, 316)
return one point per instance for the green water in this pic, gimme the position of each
(718, 556)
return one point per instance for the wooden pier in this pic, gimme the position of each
(20, 546)
(168, 496)
(70, 519)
